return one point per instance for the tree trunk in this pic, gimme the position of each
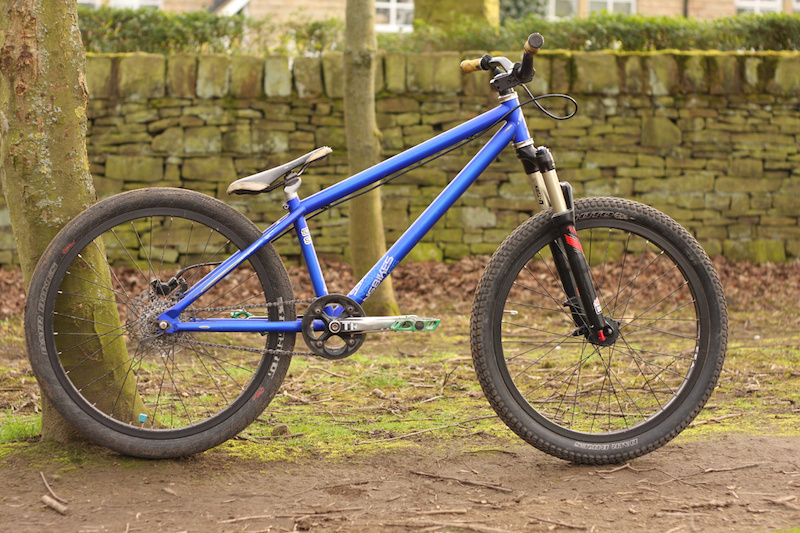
(445, 13)
(367, 240)
(43, 163)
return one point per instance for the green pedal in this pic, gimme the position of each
(241, 313)
(415, 324)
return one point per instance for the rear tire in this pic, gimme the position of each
(91, 300)
(600, 404)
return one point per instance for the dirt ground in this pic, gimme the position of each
(743, 476)
(731, 483)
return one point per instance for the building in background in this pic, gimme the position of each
(688, 8)
(390, 15)
(398, 15)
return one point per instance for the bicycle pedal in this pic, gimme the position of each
(415, 323)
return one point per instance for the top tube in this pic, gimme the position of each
(421, 151)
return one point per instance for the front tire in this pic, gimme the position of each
(600, 404)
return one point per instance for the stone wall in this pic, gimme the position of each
(710, 138)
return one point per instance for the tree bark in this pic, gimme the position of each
(367, 239)
(445, 13)
(44, 168)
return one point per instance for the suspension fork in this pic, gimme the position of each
(568, 256)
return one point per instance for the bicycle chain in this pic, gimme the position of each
(265, 351)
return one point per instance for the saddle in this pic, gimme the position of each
(261, 182)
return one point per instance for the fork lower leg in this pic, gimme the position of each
(570, 261)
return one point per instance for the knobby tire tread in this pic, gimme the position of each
(43, 363)
(486, 297)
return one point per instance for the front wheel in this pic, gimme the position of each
(578, 400)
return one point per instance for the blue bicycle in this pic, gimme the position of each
(161, 322)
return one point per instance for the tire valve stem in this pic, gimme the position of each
(142, 420)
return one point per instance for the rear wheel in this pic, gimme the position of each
(95, 345)
(579, 400)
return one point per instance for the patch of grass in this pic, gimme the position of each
(399, 389)
(17, 428)
(12, 329)
(10, 448)
(427, 393)
(427, 386)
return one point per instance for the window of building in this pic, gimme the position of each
(129, 4)
(761, 6)
(561, 8)
(627, 7)
(231, 7)
(569, 8)
(394, 15)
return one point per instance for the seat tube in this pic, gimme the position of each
(308, 251)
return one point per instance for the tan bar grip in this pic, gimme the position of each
(470, 65)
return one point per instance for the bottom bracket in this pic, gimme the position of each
(324, 342)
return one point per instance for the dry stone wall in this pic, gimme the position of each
(710, 138)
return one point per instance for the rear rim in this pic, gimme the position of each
(593, 393)
(182, 386)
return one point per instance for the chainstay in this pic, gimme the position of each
(264, 351)
(248, 306)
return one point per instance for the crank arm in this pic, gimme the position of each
(368, 324)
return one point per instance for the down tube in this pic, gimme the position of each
(432, 214)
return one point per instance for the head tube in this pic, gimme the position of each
(521, 133)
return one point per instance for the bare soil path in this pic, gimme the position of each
(736, 469)
(728, 483)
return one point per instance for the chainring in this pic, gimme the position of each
(326, 343)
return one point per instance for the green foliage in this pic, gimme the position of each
(302, 36)
(514, 9)
(110, 30)
(149, 30)
(602, 31)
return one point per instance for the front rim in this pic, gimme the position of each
(162, 386)
(603, 393)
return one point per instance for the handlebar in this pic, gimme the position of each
(525, 72)
(532, 46)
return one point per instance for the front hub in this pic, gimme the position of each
(607, 336)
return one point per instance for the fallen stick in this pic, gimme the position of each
(464, 481)
(315, 513)
(459, 525)
(245, 518)
(557, 523)
(54, 505)
(785, 501)
(715, 420)
(53, 494)
(712, 470)
(424, 431)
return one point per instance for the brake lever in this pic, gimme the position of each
(502, 62)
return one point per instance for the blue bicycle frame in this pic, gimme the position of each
(513, 128)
